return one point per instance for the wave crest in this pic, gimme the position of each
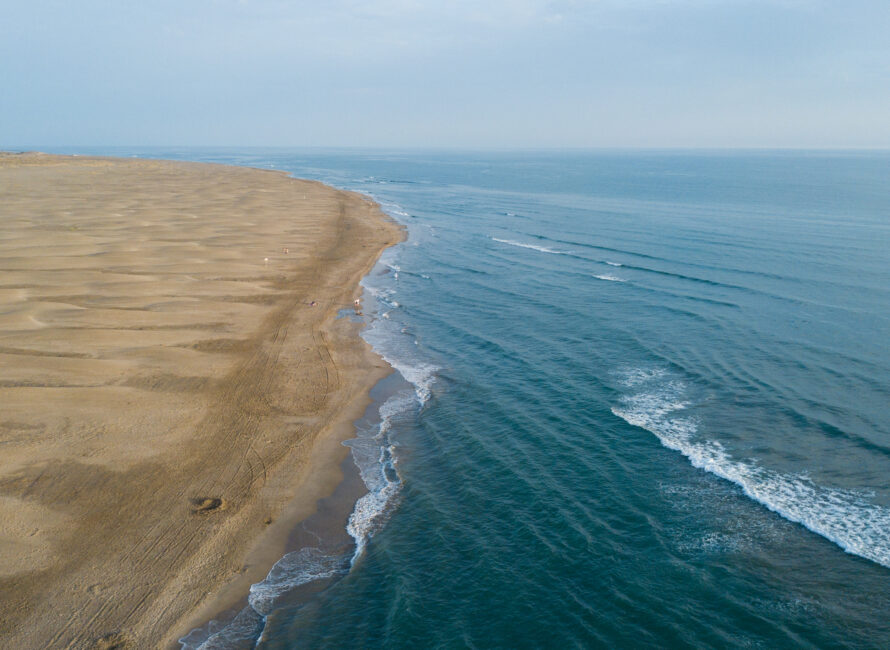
(542, 249)
(846, 517)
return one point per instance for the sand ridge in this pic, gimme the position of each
(170, 365)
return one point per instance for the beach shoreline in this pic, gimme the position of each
(318, 551)
(177, 385)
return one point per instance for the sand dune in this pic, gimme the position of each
(167, 387)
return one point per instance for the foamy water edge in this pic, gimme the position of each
(845, 517)
(379, 471)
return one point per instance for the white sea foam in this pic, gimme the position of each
(240, 632)
(614, 263)
(294, 569)
(374, 452)
(392, 209)
(534, 247)
(609, 278)
(846, 517)
(370, 514)
(389, 339)
(384, 296)
(635, 376)
(374, 455)
(421, 375)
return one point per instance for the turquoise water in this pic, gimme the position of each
(647, 405)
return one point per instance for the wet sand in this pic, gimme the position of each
(321, 534)
(174, 386)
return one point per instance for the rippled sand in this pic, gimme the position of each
(173, 385)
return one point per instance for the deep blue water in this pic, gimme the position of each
(649, 403)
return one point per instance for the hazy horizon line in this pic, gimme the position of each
(47, 148)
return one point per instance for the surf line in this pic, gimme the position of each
(845, 517)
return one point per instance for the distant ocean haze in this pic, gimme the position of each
(648, 402)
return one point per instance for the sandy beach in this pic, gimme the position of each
(174, 385)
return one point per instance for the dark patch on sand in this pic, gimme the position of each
(206, 505)
(167, 382)
(221, 345)
(113, 641)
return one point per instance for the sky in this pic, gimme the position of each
(500, 74)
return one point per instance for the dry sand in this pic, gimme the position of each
(170, 400)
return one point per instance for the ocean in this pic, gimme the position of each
(642, 401)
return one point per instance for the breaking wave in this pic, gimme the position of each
(542, 249)
(846, 517)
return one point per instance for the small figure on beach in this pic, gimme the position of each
(313, 303)
(286, 250)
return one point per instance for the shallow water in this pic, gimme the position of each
(647, 404)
